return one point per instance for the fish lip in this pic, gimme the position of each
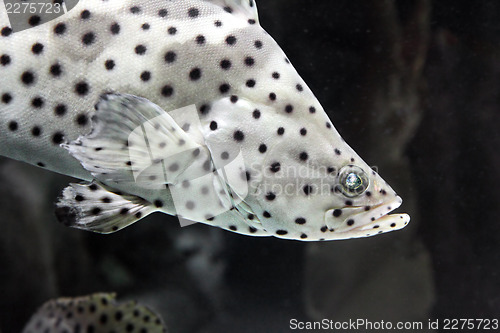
(399, 220)
(384, 216)
(381, 214)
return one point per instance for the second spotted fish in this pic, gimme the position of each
(185, 107)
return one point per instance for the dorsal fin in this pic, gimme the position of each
(245, 8)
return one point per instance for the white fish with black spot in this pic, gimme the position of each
(94, 313)
(183, 107)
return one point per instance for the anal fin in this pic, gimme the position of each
(94, 208)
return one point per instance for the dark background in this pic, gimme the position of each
(414, 88)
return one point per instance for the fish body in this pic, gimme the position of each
(185, 107)
(94, 313)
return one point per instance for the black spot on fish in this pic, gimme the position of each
(239, 136)
(307, 189)
(36, 131)
(140, 49)
(6, 98)
(82, 88)
(145, 76)
(135, 10)
(65, 215)
(37, 48)
(231, 40)
(200, 40)
(88, 38)
(167, 91)
(85, 14)
(224, 88)
(60, 110)
(225, 64)
(170, 57)
(55, 70)
(195, 74)
(162, 13)
(13, 126)
(6, 31)
(34, 20)
(270, 196)
(58, 138)
(115, 28)
(300, 220)
(249, 61)
(82, 119)
(37, 102)
(5, 60)
(193, 12)
(275, 167)
(28, 78)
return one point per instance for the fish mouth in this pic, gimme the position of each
(381, 219)
(369, 222)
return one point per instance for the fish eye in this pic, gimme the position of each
(352, 181)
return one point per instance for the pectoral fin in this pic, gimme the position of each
(135, 141)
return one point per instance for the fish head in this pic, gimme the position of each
(361, 203)
(313, 186)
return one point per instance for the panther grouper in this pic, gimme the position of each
(94, 313)
(183, 107)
